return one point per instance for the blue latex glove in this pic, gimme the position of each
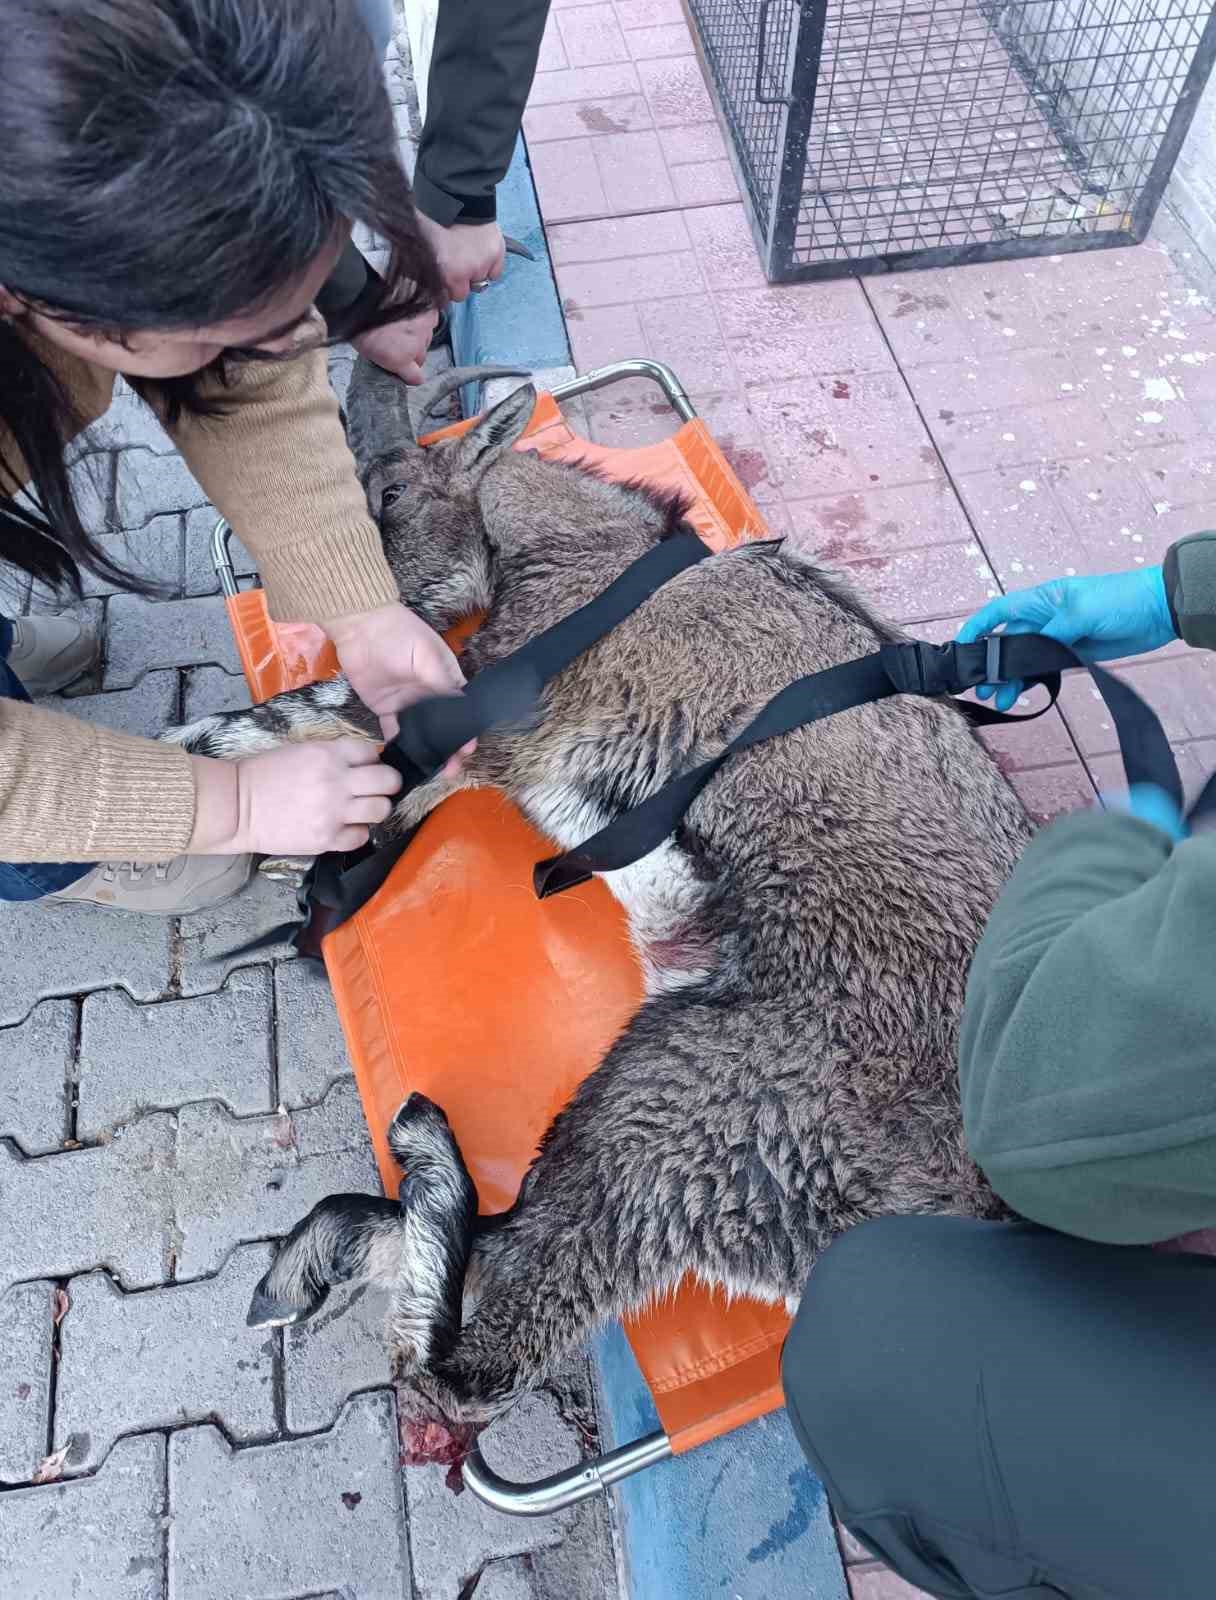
(1102, 619)
(1152, 805)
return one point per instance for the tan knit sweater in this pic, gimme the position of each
(277, 466)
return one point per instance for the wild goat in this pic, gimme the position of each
(805, 936)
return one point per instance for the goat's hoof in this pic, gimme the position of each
(266, 1311)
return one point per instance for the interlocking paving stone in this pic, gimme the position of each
(207, 690)
(66, 949)
(196, 1360)
(290, 1519)
(102, 1537)
(452, 1536)
(506, 1580)
(209, 937)
(249, 1178)
(35, 1059)
(25, 1380)
(135, 1058)
(145, 710)
(342, 1350)
(153, 553)
(145, 634)
(312, 1051)
(106, 1206)
(149, 485)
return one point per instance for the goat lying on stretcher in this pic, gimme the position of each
(805, 936)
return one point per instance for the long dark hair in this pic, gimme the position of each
(173, 164)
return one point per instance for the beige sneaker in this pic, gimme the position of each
(48, 653)
(160, 888)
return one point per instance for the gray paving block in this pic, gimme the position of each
(35, 1060)
(312, 1051)
(453, 1536)
(136, 1058)
(131, 423)
(92, 480)
(342, 1350)
(101, 1538)
(146, 634)
(149, 485)
(200, 572)
(129, 1363)
(296, 1518)
(211, 689)
(153, 552)
(508, 1580)
(146, 709)
(26, 1332)
(255, 1177)
(65, 949)
(106, 1206)
(208, 937)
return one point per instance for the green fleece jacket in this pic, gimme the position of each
(1088, 1049)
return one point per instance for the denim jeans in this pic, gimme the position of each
(28, 880)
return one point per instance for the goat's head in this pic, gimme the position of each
(426, 501)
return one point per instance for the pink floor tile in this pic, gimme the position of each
(630, 414)
(876, 1582)
(1045, 742)
(612, 238)
(670, 39)
(910, 585)
(722, 238)
(730, 420)
(847, 527)
(552, 52)
(1144, 405)
(567, 179)
(701, 142)
(1053, 431)
(633, 172)
(581, 119)
(1180, 474)
(585, 83)
(1049, 792)
(1179, 688)
(776, 334)
(1196, 763)
(606, 283)
(592, 36)
(676, 91)
(602, 334)
(685, 334)
(1032, 377)
(830, 436)
(650, 14)
(704, 183)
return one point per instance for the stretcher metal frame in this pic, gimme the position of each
(567, 1488)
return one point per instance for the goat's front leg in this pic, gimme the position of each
(329, 710)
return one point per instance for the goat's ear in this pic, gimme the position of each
(496, 431)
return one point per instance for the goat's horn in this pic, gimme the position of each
(423, 400)
(378, 421)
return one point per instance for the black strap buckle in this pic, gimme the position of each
(940, 669)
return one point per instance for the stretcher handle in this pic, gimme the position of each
(635, 367)
(567, 1488)
(222, 561)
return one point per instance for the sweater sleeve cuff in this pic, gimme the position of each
(335, 576)
(1190, 586)
(446, 209)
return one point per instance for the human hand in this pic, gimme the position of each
(1102, 619)
(302, 799)
(1151, 804)
(400, 347)
(467, 253)
(391, 658)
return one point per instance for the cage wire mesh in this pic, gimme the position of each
(871, 134)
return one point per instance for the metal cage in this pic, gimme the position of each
(871, 135)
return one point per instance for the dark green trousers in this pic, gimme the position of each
(998, 1410)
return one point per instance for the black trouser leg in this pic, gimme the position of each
(998, 1410)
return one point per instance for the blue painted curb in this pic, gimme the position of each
(742, 1517)
(518, 321)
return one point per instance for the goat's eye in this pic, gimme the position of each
(391, 495)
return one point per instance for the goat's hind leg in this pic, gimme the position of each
(329, 710)
(345, 1238)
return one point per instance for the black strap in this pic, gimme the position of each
(430, 732)
(917, 668)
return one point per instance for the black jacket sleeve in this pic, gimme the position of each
(482, 66)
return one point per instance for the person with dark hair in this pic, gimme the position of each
(482, 67)
(1024, 1409)
(179, 180)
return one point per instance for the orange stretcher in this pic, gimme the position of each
(454, 979)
